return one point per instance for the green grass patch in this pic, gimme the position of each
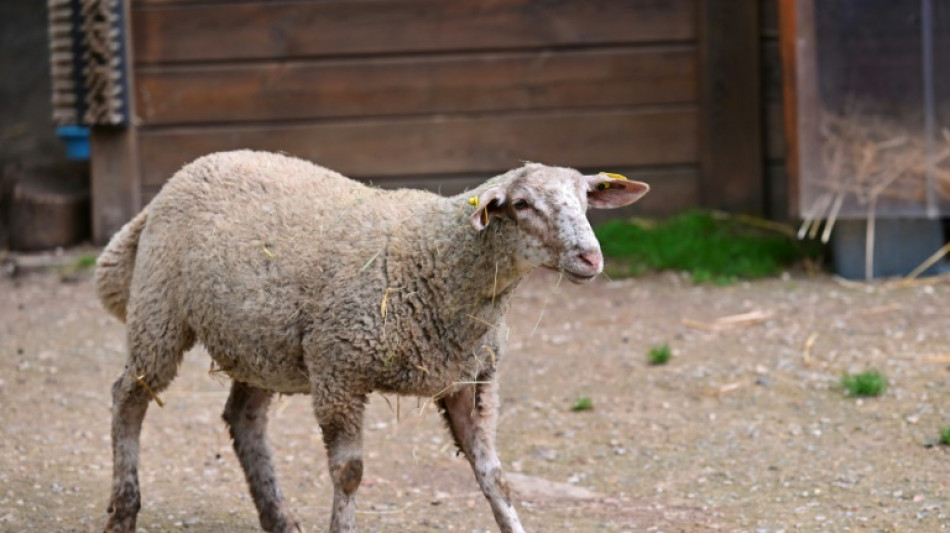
(582, 403)
(945, 436)
(84, 262)
(81, 266)
(659, 355)
(712, 247)
(864, 385)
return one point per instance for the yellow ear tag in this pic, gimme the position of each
(606, 185)
(473, 201)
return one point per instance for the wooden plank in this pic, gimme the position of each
(777, 187)
(672, 189)
(444, 145)
(771, 72)
(768, 13)
(422, 85)
(774, 132)
(788, 42)
(730, 109)
(114, 180)
(295, 29)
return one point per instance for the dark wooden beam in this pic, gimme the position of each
(174, 32)
(799, 92)
(114, 183)
(498, 82)
(788, 27)
(605, 139)
(730, 93)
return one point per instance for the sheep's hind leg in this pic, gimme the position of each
(129, 403)
(472, 415)
(341, 420)
(246, 417)
(155, 351)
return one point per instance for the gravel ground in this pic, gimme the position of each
(743, 431)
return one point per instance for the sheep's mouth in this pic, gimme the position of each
(578, 277)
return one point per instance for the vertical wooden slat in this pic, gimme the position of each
(730, 158)
(788, 28)
(800, 93)
(115, 183)
(115, 180)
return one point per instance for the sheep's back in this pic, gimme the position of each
(250, 241)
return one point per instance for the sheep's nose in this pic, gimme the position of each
(592, 259)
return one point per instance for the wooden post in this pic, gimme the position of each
(115, 181)
(799, 92)
(731, 157)
(788, 35)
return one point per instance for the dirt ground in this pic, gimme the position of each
(743, 431)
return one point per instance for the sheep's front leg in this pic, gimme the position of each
(246, 417)
(341, 420)
(472, 415)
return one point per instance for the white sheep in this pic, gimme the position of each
(299, 280)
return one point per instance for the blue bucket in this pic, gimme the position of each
(77, 141)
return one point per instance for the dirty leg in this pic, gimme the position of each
(156, 345)
(342, 433)
(472, 415)
(246, 417)
(129, 403)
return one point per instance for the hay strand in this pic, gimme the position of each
(382, 305)
(143, 383)
(371, 259)
(494, 288)
(821, 207)
(869, 241)
(806, 350)
(491, 353)
(545, 304)
(929, 262)
(832, 217)
(482, 321)
(730, 322)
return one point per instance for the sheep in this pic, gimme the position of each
(299, 280)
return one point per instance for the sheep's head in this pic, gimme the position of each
(547, 208)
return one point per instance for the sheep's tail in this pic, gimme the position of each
(115, 265)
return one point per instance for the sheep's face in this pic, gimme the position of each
(548, 206)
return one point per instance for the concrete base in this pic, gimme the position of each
(900, 245)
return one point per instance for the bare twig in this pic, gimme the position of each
(806, 351)
(730, 322)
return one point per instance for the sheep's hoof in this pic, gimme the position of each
(292, 526)
(120, 524)
(122, 517)
(286, 524)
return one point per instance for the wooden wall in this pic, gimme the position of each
(444, 94)
(776, 175)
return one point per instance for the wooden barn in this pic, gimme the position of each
(684, 94)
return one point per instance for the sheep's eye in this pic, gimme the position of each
(521, 205)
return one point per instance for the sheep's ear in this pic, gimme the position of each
(607, 191)
(487, 205)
